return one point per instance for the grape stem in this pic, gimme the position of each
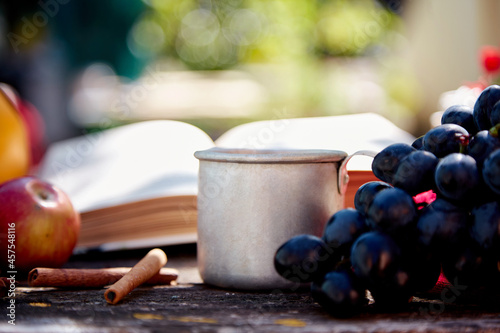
(464, 142)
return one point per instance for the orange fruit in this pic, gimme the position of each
(14, 144)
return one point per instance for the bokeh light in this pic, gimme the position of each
(146, 38)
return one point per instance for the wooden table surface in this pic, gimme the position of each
(191, 306)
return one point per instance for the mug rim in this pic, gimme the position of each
(280, 156)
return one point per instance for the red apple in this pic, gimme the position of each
(40, 221)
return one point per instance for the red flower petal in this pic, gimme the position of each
(490, 58)
(424, 198)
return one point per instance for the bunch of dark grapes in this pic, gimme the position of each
(434, 214)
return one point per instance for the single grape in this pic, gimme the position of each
(482, 145)
(485, 226)
(342, 229)
(495, 114)
(457, 177)
(468, 268)
(484, 106)
(484, 194)
(375, 257)
(418, 271)
(376, 260)
(340, 293)
(420, 262)
(415, 173)
(423, 269)
(384, 164)
(418, 142)
(460, 115)
(480, 148)
(394, 293)
(303, 258)
(441, 226)
(445, 139)
(392, 211)
(365, 194)
(491, 171)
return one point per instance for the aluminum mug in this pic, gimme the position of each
(252, 201)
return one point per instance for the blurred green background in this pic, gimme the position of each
(95, 64)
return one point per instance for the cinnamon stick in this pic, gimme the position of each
(91, 278)
(146, 268)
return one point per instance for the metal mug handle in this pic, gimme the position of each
(343, 176)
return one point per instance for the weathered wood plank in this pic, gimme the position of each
(193, 306)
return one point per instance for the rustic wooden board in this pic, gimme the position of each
(193, 306)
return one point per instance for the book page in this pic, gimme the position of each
(133, 162)
(349, 133)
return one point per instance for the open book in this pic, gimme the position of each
(136, 185)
